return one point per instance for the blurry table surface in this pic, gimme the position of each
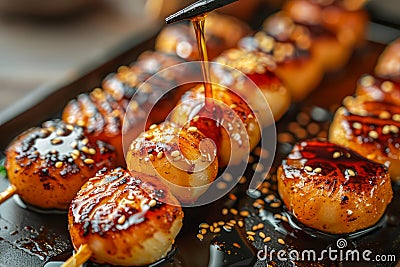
(37, 53)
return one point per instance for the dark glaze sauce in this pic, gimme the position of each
(349, 170)
(106, 198)
(365, 124)
(58, 142)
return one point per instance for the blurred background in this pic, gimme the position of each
(45, 43)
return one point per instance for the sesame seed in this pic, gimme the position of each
(217, 230)
(350, 172)
(74, 144)
(203, 231)
(267, 239)
(262, 235)
(131, 197)
(336, 154)
(222, 185)
(85, 149)
(224, 211)
(278, 216)
(88, 161)
(211, 228)
(152, 203)
(281, 241)
(153, 126)
(121, 219)
(234, 211)
(74, 157)
(285, 219)
(195, 118)
(240, 223)
(384, 115)
(308, 168)
(357, 125)
(275, 205)
(387, 86)
(373, 134)
(228, 228)
(160, 155)
(232, 196)
(59, 164)
(221, 223)
(76, 152)
(70, 127)
(244, 213)
(371, 156)
(318, 170)
(85, 141)
(394, 129)
(232, 106)
(251, 238)
(367, 81)
(396, 117)
(254, 228)
(192, 129)
(250, 233)
(175, 153)
(151, 157)
(200, 237)
(236, 245)
(56, 141)
(60, 132)
(92, 151)
(148, 135)
(204, 225)
(270, 197)
(386, 129)
(232, 221)
(260, 226)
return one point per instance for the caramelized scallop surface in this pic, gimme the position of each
(333, 189)
(180, 156)
(48, 165)
(371, 129)
(123, 218)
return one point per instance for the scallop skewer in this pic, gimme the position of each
(123, 218)
(46, 166)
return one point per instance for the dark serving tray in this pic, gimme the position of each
(28, 238)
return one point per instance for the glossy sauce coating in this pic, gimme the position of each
(123, 218)
(234, 115)
(371, 129)
(181, 156)
(333, 189)
(48, 165)
(259, 68)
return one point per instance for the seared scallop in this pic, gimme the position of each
(48, 165)
(371, 129)
(333, 189)
(125, 218)
(259, 68)
(182, 157)
(236, 130)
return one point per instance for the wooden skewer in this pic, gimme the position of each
(6, 194)
(80, 257)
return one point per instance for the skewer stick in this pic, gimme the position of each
(80, 257)
(6, 194)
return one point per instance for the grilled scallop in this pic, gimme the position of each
(333, 189)
(123, 218)
(388, 64)
(327, 46)
(259, 68)
(100, 115)
(289, 44)
(48, 165)
(183, 158)
(238, 131)
(371, 129)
